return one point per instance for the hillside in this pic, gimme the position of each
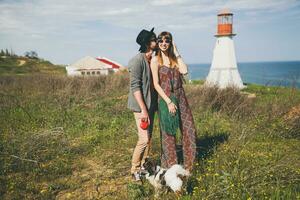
(16, 65)
(73, 138)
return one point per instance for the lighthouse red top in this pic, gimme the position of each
(225, 19)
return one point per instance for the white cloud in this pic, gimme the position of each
(167, 2)
(29, 16)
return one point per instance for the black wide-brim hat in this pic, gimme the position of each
(144, 37)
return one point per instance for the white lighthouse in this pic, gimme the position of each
(223, 71)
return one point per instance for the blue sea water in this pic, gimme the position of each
(285, 73)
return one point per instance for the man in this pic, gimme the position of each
(142, 98)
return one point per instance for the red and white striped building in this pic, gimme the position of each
(113, 64)
(90, 66)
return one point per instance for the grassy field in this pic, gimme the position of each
(73, 138)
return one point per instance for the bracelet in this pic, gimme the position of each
(169, 102)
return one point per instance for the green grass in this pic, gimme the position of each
(73, 138)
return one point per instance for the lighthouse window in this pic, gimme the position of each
(226, 20)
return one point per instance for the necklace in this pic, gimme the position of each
(166, 61)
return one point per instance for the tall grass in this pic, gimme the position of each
(260, 158)
(64, 137)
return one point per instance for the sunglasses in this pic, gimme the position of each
(166, 41)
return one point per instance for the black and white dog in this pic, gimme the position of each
(160, 177)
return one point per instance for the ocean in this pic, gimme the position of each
(285, 73)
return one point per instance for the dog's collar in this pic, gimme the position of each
(163, 173)
(162, 177)
(159, 170)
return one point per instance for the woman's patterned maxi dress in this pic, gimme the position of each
(167, 76)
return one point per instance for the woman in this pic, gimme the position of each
(167, 67)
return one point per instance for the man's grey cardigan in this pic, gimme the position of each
(140, 79)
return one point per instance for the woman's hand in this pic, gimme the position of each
(172, 108)
(183, 68)
(175, 49)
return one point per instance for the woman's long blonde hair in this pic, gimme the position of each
(170, 51)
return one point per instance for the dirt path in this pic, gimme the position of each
(21, 62)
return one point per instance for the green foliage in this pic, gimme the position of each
(197, 82)
(137, 191)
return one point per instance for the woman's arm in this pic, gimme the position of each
(181, 65)
(154, 68)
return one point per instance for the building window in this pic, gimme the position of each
(98, 72)
(82, 73)
(110, 72)
(88, 73)
(93, 73)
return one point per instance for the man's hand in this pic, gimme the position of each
(139, 98)
(145, 115)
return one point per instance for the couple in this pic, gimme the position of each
(156, 84)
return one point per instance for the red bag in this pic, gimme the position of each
(144, 124)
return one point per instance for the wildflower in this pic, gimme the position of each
(69, 195)
(43, 191)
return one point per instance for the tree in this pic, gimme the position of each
(31, 54)
(7, 52)
(2, 53)
(12, 53)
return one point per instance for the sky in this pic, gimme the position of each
(65, 31)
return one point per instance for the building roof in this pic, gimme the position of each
(89, 62)
(225, 11)
(112, 63)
